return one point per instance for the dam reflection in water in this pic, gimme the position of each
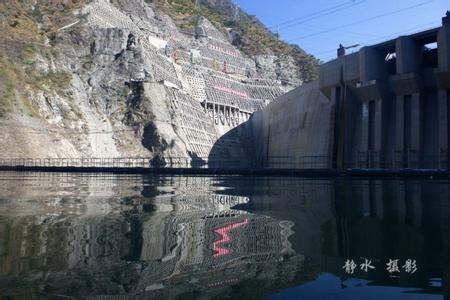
(65, 235)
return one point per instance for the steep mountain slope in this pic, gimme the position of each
(291, 64)
(123, 78)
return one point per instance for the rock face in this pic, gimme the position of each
(137, 86)
(278, 68)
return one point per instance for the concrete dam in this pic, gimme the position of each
(386, 106)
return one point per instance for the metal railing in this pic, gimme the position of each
(399, 160)
(129, 162)
(274, 162)
(136, 162)
(301, 162)
(396, 160)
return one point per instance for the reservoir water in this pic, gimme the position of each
(85, 236)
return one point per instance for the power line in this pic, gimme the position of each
(364, 20)
(326, 12)
(385, 36)
(399, 33)
(323, 14)
(343, 31)
(411, 30)
(314, 14)
(368, 43)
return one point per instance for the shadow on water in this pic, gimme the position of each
(221, 237)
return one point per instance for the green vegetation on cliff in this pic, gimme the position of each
(21, 40)
(28, 27)
(250, 35)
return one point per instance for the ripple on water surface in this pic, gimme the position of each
(87, 235)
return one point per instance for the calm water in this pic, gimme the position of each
(73, 236)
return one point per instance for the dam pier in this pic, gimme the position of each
(385, 107)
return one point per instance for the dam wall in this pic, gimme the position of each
(386, 106)
(296, 129)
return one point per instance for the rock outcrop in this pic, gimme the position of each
(121, 79)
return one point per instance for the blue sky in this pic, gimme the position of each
(310, 23)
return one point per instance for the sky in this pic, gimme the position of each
(319, 26)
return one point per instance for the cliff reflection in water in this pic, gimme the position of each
(205, 237)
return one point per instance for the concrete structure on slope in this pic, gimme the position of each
(386, 106)
(139, 86)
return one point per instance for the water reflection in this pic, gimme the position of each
(220, 237)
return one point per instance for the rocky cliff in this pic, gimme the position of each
(132, 78)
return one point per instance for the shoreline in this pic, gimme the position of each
(360, 173)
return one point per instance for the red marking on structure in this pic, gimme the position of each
(223, 232)
(230, 91)
(225, 51)
(175, 55)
